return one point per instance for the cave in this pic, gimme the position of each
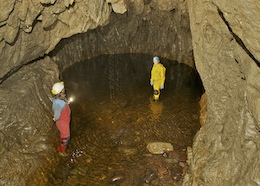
(115, 119)
(41, 41)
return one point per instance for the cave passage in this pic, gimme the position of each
(114, 118)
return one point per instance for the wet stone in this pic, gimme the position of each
(162, 171)
(159, 147)
(176, 172)
(150, 175)
(183, 157)
(158, 163)
(155, 182)
(174, 154)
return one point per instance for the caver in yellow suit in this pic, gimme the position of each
(157, 77)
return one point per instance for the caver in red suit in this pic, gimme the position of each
(61, 111)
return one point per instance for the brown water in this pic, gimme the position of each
(114, 118)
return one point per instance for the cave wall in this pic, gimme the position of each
(28, 31)
(26, 131)
(144, 28)
(31, 29)
(226, 49)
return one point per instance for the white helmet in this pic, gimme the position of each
(57, 88)
(156, 58)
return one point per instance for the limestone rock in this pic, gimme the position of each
(67, 3)
(225, 55)
(56, 9)
(20, 10)
(139, 6)
(112, 1)
(43, 26)
(36, 81)
(6, 9)
(119, 7)
(13, 20)
(164, 5)
(159, 147)
(2, 33)
(11, 34)
(48, 19)
(203, 109)
(47, 1)
(33, 9)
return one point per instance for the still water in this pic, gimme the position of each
(114, 119)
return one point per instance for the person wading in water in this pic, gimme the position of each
(61, 115)
(157, 78)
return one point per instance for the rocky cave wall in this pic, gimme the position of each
(145, 28)
(226, 50)
(31, 29)
(226, 47)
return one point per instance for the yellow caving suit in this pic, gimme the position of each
(157, 79)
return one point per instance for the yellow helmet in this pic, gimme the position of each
(57, 88)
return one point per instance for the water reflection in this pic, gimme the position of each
(126, 76)
(156, 108)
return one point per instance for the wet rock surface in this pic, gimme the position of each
(26, 148)
(114, 119)
(228, 62)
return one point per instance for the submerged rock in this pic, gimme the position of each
(150, 175)
(176, 172)
(159, 147)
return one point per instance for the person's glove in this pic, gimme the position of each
(161, 87)
(151, 83)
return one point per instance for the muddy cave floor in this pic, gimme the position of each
(112, 125)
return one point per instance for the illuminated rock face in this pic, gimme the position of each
(35, 27)
(226, 50)
(30, 30)
(222, 36)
